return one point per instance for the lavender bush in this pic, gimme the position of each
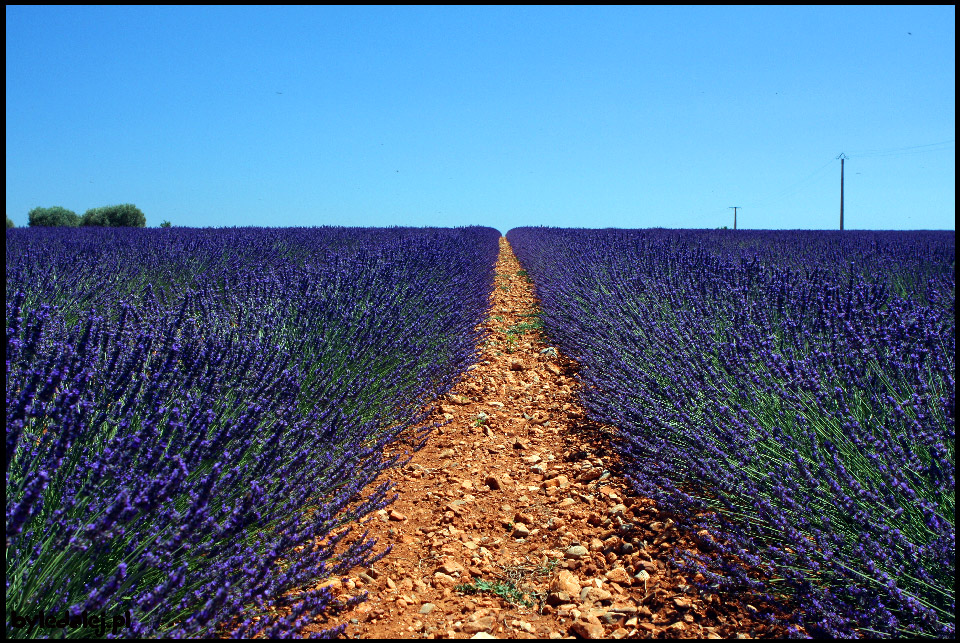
(195, 418)
(792, 393)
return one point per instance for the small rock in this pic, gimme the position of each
(477, 623)
(447, 453)
(451, 567)
(594, 595)
(456, 506)
(520, 530)
(560, 482)
(566, 581)
(556, 522)
(493, 482)
(559, 598)
(618, 575)
(396, 516)
(617, 510)
(590, 474)
(679, 626)
(549, 351)
(516, 365)
(483, 635)
(443, 579)
(682, 603)
(587, 630)
(576, 552)
(610, 618)
(426, 608)
(525, 518)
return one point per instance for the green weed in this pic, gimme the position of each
(507, 591)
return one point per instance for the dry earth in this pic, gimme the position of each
(515, 499)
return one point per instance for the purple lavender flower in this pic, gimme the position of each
(185, 412)
(791, 392)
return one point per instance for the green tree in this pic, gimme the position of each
(125, 215)
(165, 224)
(10, 223)
(95, 217)
(55, 216)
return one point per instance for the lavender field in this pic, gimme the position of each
(791, 393)
(189, 411)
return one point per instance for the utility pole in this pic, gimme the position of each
(841, 157)
(734, 208)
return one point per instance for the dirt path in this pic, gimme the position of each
(512, 501)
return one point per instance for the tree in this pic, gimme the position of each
(55, 216)
(125, 215)
(165, 224)
(10, 223)
(95, 217)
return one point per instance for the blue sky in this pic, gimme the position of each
(575, 117)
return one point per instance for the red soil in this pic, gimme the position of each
(503, 493)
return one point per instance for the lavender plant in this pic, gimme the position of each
(196, 419)
(792, 393)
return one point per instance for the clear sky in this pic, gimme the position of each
(575, 117)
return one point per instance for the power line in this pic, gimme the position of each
(792, 188)
(911, 149)
(894, 151)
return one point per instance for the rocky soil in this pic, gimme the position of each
(512, 523)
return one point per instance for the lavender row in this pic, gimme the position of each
(792, 393)
(196, 418)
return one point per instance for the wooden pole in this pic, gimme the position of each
(842, 157)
